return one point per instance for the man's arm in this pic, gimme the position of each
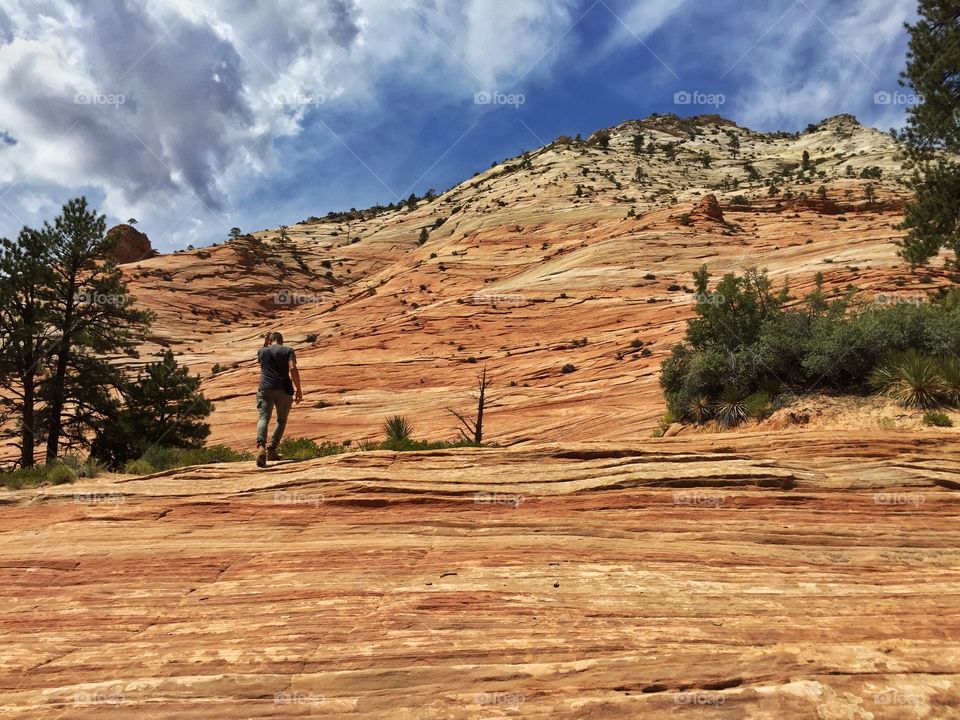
(295, 376)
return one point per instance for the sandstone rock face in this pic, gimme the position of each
(800, 575)
(132, 245)
(710, 207)
(522, 275)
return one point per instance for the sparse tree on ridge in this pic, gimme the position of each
(471, 430)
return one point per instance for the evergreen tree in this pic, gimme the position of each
(91, 314)
(235, 232)
(164, 408)
(933, 132)
(638, 143)
(734, 144)
(25, 336)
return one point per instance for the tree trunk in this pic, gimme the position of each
(27, 421)
(478, 435)
(59, 377)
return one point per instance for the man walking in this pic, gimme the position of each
(278, 364)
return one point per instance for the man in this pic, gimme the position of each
(278, 364)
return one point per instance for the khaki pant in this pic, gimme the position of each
(266, 401)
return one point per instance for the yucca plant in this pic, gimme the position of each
(911, 378)
(701, 409)
(950, 374)
(730, 409)
(397, 429)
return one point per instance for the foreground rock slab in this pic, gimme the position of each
(789, 576)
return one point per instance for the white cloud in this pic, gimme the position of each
(185, 100)
(815, 58)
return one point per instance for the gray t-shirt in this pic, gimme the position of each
(275, 367)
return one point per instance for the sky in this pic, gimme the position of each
(196, 117)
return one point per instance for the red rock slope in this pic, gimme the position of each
(788, 576)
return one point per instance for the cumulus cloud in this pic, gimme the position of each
(172, 111)
(166, 107)
(806, 60)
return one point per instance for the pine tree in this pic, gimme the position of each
(164, 408)
(638, 143)
(933, 132)
(91, 313)
(25, 343)
(734, 144)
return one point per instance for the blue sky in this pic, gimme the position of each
(195, 119)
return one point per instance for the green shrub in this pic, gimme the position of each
(730, 408)
(158, 459)
(950, 374)
(139, 467)
(61, 474)
(88, 468)
(58, 473)
(568, 368)
(701, 409)
(759, 405)
(412, 445)
(743, 336)
(306, 449)
(937, 419)
(397, 429)
(911, 378)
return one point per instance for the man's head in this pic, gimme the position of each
(275, 337)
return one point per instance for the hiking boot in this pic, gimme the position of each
(262, 457)
(272, 454)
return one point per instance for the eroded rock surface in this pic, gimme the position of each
(796, 575)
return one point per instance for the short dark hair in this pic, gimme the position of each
(275, 337)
